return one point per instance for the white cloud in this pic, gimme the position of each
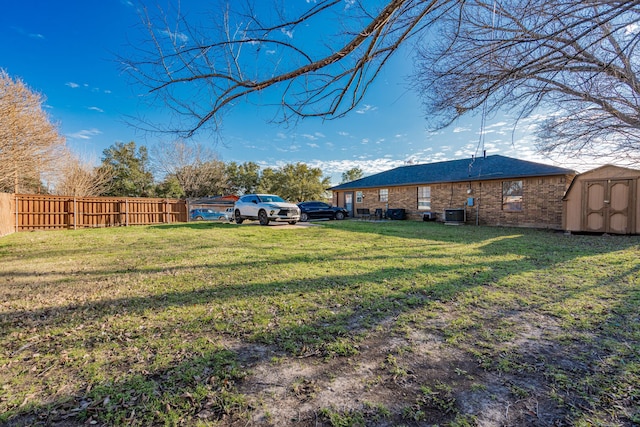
(369, 166)
(287, 33)
(461, 129)
(99, 110)
(343, 133)
(366, 108)
(175, 36)
(23, 32)
(313, 145)
(289, 149)
(495, 125)
(85, 134)
(72, 85)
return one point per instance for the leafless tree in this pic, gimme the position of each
(576, 59)
(196, 167)
(576, 62)
(29, 142)
(81, 179)
(312, 59)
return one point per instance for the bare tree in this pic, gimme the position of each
(29, 142)
(575, 61)
(239, 53)
(81, 179)
(196, 168)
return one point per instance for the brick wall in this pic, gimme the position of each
(542, 201)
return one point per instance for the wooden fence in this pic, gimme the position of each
(7, 219)
(44, 212)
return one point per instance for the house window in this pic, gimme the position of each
(424, 198)
(359, 197)
(384, 194)
(512, 196)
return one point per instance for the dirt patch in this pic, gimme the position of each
(408, 378)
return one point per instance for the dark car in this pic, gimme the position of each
(208, 214)
(317, 210)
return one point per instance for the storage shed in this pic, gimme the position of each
(603, 200)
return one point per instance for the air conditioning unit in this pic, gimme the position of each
(396, 214)
(454, 216)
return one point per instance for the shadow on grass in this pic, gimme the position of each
(204, 382)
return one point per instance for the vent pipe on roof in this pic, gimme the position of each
(485, 153)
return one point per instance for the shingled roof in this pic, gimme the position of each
(477, 169)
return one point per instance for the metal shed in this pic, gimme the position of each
(603, 200)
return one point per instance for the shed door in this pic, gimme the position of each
(608, 206)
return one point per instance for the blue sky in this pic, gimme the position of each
(67, 50)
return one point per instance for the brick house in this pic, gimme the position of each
(492, 190)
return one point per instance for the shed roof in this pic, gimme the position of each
(609, 171)
(475, 169)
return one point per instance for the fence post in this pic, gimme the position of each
(126, 212)
(75, 216)
(17, 217)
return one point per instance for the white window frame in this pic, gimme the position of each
(424, 198)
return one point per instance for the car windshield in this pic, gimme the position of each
(270, 198)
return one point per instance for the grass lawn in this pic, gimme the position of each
(349, 323)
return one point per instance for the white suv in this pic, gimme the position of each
(265, 208)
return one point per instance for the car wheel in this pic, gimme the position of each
(304, 217)
(292, 222)
(199, 218)
(339, 215)
(263, 218)
(239, 219)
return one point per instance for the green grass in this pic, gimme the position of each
(135, 325)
